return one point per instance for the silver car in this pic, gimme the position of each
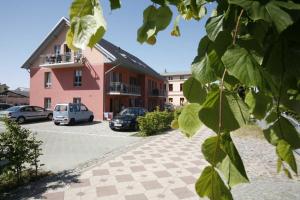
(26, 113)
(70, 113)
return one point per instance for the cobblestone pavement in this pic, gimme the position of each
(166, 168)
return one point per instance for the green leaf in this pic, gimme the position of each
(188, 120)
(154, 20)
(211, 149)
(176, 30)
(83, 29)
(235, 159)
(241, 64)
(163, 17)
(115, 4)
(283, 129)
(174, 124)
(272, 11)
(235, 112)
(69, 39)
(148, 28)
(193, 91)
(80, 8)
(207, 64)
(212, 186)
(284, 151)
(287, 173)
(214, 26)
(232, 175)
(258, 103)
(279, 164)
(203, 69)
(87, 24)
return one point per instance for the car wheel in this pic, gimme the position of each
(50, 117)
(72, 121)
(91, 119)
(21, 120)
(56, 123)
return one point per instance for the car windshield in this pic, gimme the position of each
(129, 111)
(14, 108)
(61, 108)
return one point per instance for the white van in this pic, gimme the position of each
(71, 113)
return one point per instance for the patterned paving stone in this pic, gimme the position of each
(162, 174)
(105, 191)
(188, 179)
(54, 196)
(100, 172)
(193, 170)
(128, 157)
(182, 193)
(116, 164)
(151, 185)
(170, 165)
(124, 178)
(138, 168)
(169, 169)
(148, 161)
(81, 183)
(136, 197)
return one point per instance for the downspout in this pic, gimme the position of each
(104, 95)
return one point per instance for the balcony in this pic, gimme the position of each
(118, 88)
(62, 60)
(157, 93)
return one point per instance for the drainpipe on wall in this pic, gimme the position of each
(104, 97)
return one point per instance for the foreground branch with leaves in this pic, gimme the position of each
(247, 66)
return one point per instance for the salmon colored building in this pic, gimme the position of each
(104, 78)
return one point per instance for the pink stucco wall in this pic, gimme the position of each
(92, 92)
(62, 90)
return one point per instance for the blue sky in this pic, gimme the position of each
(26, 23)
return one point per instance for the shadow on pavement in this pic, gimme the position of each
(37, 189)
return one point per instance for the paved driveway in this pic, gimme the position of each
(68, 147)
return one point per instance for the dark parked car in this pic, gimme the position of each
(4, 106)
(126, 119)
(26, 113)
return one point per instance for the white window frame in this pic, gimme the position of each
(77, 73)
(48, 80)
(47, 103)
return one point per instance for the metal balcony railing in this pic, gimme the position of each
(61, 58)
(123, 88)
(157, 92)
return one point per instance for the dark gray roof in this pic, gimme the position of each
(125, 59)
(21, 93)
(178, 73)
(115, 54)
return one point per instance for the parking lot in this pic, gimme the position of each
(67, 147)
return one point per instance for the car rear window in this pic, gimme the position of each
(61, 108)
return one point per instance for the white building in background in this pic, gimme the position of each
(174, 86)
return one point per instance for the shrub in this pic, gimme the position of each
(19, 150)
(155, 122)
(174, 123)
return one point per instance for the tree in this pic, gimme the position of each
(253, 45)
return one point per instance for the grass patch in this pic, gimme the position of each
(8, 180)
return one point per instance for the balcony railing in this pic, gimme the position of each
(60, 59)
(123, 88)
(157, 93)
